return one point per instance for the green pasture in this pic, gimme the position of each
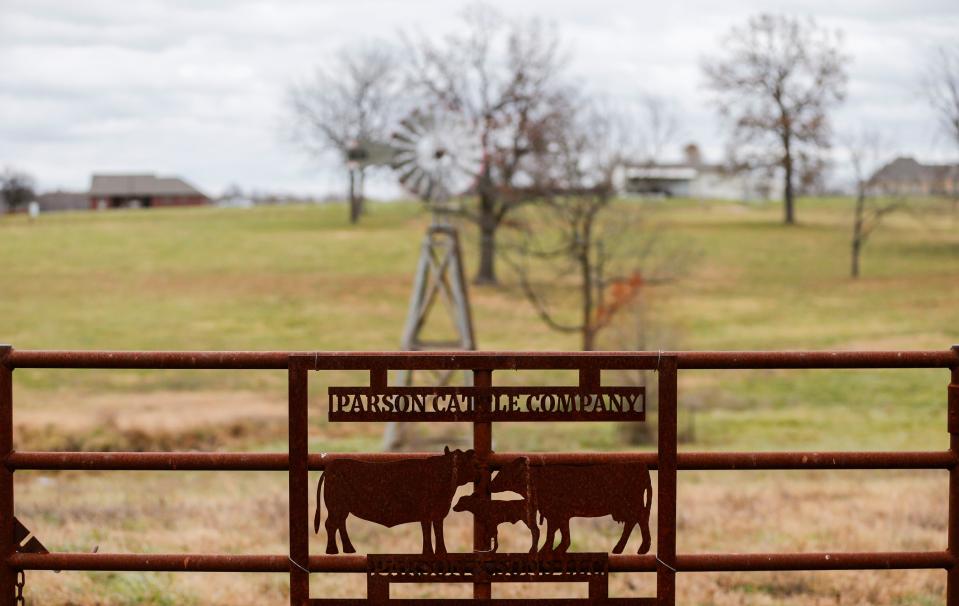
(300, 277)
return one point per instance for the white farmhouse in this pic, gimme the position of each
(693, 178)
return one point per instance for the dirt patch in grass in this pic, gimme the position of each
(148, 421)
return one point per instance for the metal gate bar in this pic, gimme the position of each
(952, 416)
(466, 360)
(299, 484)
(704, 562)
(686, 461)
(298, 461)
(483, 446)
(8, 546)
(666, 564)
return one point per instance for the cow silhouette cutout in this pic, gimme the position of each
(561, 492)
(392, 493)
(496, 512)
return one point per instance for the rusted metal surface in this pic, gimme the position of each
(666, 565)
(458, 404)
(560, 492)
(930, 560)
(482, 447)
(489, 515)
(471, 360)
(952, 415)
(160, 360)
(466, 567)
(422, 490)
(299, 483)
(686, 461)
(551, 485)
(187, 562)
(471, 601)
(8, 544)
(746, 360)
(483, 569)
(719, 461)
(148, 461)
(390, 494)
(25, 540)
(814, 561)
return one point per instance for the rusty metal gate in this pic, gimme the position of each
(482, 405)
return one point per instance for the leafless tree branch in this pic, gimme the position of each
(599, 259)
(352, 99)
(774, 84)
(865, 151)
(504, 77)
(941, 87)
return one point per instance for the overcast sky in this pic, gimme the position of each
(196, 88)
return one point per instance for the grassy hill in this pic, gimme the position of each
(302, 278)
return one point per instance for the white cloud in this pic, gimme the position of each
(197, 88)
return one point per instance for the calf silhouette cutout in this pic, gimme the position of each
(561, 492)
(495, 512)
(392, 493)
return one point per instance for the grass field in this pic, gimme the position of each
(301, 278)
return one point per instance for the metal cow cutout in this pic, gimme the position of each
(495, 512)
(393, 493)
(561, 492)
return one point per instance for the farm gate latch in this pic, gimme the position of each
(25, 545)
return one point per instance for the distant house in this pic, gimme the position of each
(693, 178)
(905, 175)
(143, 191)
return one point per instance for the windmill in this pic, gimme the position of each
(436, 155)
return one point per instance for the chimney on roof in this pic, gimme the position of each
(692, 155)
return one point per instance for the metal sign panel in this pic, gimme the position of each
(383, 570)
(477, 404)
(424, 489)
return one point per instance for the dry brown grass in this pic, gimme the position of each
(246, 513)
(146, 421)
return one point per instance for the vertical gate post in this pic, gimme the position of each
(952, 575)
(482, 445)
(299, 483)
(666, 485)
(8, 576)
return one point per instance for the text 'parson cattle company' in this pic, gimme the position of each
(504, 403)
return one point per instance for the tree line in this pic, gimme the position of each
(773, 81)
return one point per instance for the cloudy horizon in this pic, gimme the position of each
(198, 89)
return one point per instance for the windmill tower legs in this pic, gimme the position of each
(439, 277)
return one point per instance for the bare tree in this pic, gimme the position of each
(642, 326)
(660, 126)
(577, 263)
(348, 102)
(16, 188)
(503, 77)
(941, 85)
(865, 150)
(775, 83)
